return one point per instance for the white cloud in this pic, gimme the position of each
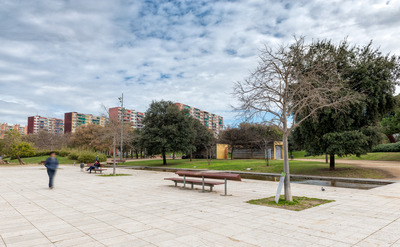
(60, 56)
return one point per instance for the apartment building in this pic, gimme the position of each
(72, 120)
(56, 126)
(37, 123)
(4, 127)
(210, 120)
(115, 113)
(132, 117)
(137, 119)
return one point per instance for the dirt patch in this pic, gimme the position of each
(390, 168)
(298, 203)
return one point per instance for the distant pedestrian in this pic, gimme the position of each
(51, 164)
(97, 158)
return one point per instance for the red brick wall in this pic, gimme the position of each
(31, 121)
(68, 122)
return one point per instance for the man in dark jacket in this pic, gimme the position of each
(51, 164)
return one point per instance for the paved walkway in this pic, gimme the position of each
(144, 210)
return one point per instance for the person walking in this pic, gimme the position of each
(51, 164)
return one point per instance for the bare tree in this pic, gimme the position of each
(112, 134)
(45, 140)
(283, 92)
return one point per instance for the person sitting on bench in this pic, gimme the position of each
(94, 166)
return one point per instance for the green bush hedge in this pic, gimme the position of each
(73, 155)
(90, 157)
(389, 147)
(63, 152)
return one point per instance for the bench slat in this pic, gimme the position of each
(213, 175)
(194, 181)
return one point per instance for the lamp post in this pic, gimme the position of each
(121, 100)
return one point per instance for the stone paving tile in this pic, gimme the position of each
(145, 210)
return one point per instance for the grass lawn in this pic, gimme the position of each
(36, 160)
(298, 203)
(276, 166)
(390, 156)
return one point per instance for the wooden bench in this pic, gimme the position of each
(203, 175)
(97, 169)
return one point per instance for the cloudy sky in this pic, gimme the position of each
(73, 55)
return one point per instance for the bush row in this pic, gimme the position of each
(80, 156)
(86, 156)
(388, 147)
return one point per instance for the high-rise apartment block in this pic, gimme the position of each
(38, 123)
(137, 119)
(56, 126)
(72, 120)
(4, 127)
(129, 116)
(209, 120)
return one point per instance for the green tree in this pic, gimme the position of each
(22, 149)
(13, 146)
(137, 142)
(368, 73)
(167, 129)
(200, 137)
(391, 123)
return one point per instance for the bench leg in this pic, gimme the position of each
(192, 185)
(211, 188)
(176, 184)
(226, 188)
(202, 185)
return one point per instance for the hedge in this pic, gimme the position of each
(389, 147)
(90, 157)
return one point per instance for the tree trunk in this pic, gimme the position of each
(20, 161)
(326, 158)
(288, 190)
(114, 163)
(164, 158)
(391, 138)
(173, 155)
(209, 157)
(191, 156)
(332, 162)
(232, 153)
(137, 155)
(265, 156)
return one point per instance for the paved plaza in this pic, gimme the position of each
(144, 210)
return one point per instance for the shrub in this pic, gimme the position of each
(90, 157)
(87, 157)
(73, 155)
(389, 147)
(63, 152)
(102, 157)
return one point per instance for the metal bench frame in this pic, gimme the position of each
(203, 183)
